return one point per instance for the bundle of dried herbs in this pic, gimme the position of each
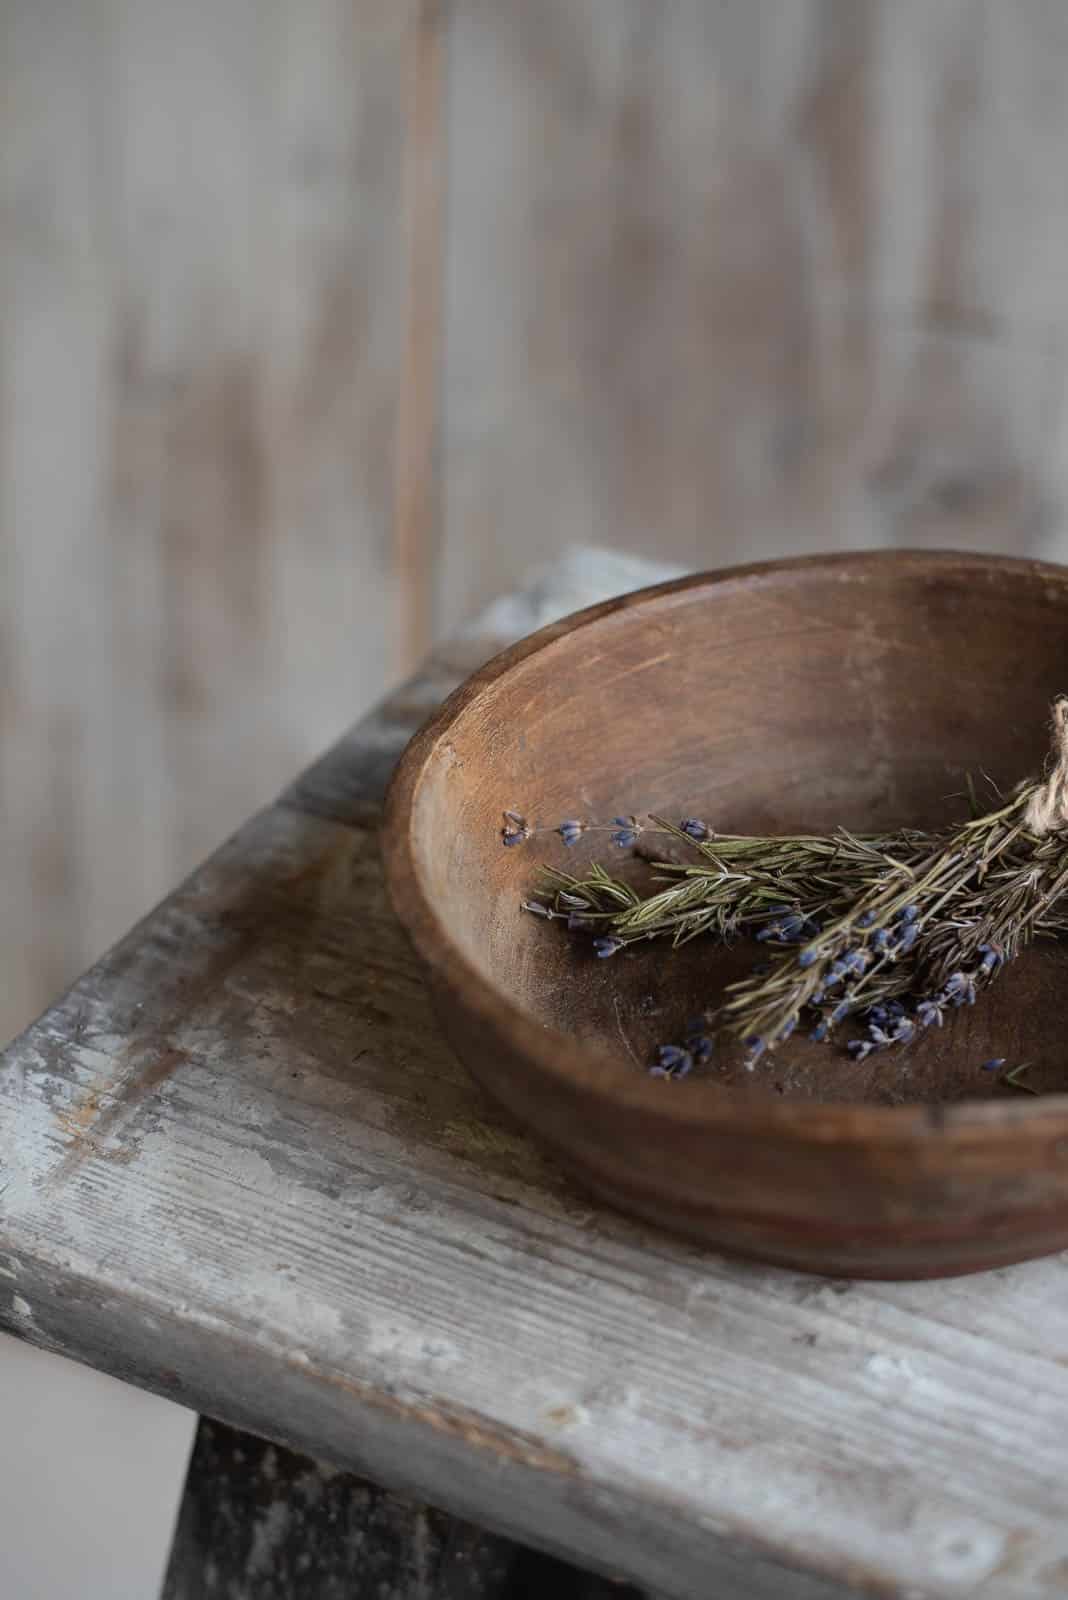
(891, 931)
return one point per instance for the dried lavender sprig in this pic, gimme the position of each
(964, 917)
(624, 832)
(745, 884)
(926, 934)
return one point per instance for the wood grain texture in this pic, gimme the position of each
(242, 1168)
(752, 279)
(203, 307)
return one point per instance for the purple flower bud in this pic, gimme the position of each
(606, 946)
(626, 832)
(674, 1060)
(515, 829)
(695, 828)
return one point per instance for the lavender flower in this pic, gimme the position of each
(960, 989)
(698, 1042)
(674, 1059)
(626, 832)
(515, 829)
(695, 828)
(785, 929)
(571, 832)
(607, 946)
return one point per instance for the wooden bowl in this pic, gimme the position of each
(855, 689)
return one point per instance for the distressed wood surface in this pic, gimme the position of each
(241, 1167)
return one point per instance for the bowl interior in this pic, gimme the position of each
(853, 690)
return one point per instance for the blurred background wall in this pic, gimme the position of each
(322, 322)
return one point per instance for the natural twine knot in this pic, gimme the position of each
(1048, 806)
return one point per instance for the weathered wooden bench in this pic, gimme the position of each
(239, 1166)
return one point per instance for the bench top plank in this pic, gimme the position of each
(239, 1165)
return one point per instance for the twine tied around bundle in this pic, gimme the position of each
(1047, 809)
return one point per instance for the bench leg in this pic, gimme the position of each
(258, 1522)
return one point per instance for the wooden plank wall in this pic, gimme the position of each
(321, 323)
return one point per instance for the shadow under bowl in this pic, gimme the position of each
(793, 696)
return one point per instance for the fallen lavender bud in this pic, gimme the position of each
(515, 829)
(626, 832)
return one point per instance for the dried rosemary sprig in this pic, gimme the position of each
(895, 929)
